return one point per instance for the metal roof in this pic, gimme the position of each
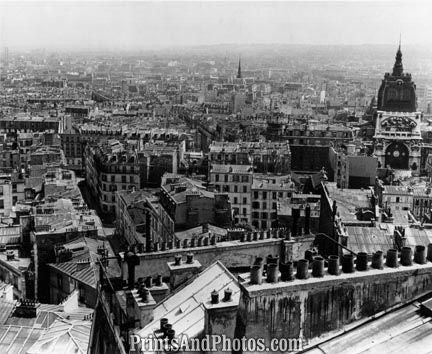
(404, 330)
(184, 308)
(368, 239)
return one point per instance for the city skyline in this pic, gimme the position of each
(156, 25)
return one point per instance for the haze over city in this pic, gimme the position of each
(215, 177)
(149, 25)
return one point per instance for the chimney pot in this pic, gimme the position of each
(272, 272)
(429, 252)
(158, 281)
(391, 259)
(287, 271)
(177, 259)
(362, 261)
(166, 328)
(348, 263)
(189, 258)
(170, 334)
(256, 274)
(214, 297)
(419, 254)
(227, 295)
(378, 260)
(163, 321)
(318, 267)
(302, 269)
(185, 243)
(406, 256)
(149, 282)
(333, 265)
(144, 293)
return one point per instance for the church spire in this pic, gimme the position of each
(398, 67)
(239, 73)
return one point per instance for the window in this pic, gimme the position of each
(244, 211)
(397, 199)
(14, 187)
(255, 205)
(274, 195)
(245, 179)
(123, 179)
(244, 200)
(255, 195)
(216, 178)
(236, 178)
(235, 189)
(245, 189)
(274, 206)
(113, 199)
(131, 179)
(264, 205)
(255, 215)
(226, 189)
(1, 203)
(1, 190)
(112, 178)
(235, 200)
(226, 178)
(264, 224)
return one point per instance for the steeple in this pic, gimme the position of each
(239, 74)
(398, 67)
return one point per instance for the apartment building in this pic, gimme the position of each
(266, 191)
(236, 181)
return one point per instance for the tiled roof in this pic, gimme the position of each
(84, 273)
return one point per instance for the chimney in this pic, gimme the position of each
(82, 264)
(27, 309)
(220, 316)
(132, 261)
(10, 255)
(205, 228)
(307, 220)
(181, 272)
(159, 290)
(139, 306)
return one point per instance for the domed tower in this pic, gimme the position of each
(397, 92)
(397, 131)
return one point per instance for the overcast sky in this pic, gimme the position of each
(144, 25)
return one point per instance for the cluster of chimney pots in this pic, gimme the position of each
(212, 239)
(166, 330)
(350, 263)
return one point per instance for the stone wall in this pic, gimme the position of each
(233, 254)
(308, 308)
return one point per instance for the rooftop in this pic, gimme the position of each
(388, 333)
(240, 169)
(184, 309)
